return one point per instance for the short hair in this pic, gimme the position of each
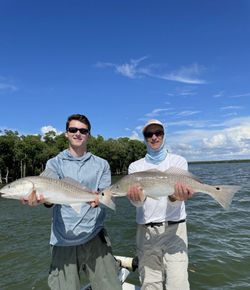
(81, 118)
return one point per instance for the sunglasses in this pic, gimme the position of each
(157, 133)
(81, 130)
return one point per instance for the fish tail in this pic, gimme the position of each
(224, 194)
(106, 199)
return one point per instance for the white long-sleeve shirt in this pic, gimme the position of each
(162, 209)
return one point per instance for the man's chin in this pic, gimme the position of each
(155, 146)
(77, 142)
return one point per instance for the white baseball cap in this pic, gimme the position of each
(152, 122)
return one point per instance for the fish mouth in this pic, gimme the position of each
(109, 192)
(114, 194)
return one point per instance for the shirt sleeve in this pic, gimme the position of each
(105, 180)
(52, 169)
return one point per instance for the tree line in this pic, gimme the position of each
(27, 155)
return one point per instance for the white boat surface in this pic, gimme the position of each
(128, 286)
(127, 264)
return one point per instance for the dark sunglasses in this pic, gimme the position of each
(81, 130)
(157, 133)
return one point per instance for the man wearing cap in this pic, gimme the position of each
(161, 223)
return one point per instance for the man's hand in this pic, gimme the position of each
(32, 199)
(135, 193)
(182, 192)
(96, 202)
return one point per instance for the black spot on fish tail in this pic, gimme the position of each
(217, 188)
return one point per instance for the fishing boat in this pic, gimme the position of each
(126, 265)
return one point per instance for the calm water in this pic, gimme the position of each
(219, 240)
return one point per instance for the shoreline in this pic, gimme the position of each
(219, 161)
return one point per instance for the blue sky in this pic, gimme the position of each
(121, 63)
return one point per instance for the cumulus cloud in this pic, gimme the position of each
(230, 142)
(135, 136)
(235, 137)
(46, 129)
(204, 141)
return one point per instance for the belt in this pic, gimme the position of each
(162, 223)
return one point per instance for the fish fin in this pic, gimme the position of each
(77, 207)
(224, 194)
(105, 197)
(52, 174)
(182, 172)
(75, 183)
(153, 170)
(49, 173)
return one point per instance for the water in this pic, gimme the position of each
(219, 240)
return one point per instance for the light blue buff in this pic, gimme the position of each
(158, 155)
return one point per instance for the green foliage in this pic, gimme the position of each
(27, 155)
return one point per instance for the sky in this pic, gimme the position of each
(121, 63)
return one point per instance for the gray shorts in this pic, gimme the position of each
(94, 258)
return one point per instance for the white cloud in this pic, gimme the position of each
(217, 140)
(190, 123)
(240, 121)
(187, 113)
(204, 141)
(7, 87)
(130, 70)
(218, 95)
(230, 115)
(135, 136)
(232, 142)
(186, 74)
(157, 112)
(240, 95)
(231, 108)
(186, 92)
(46, 129)
(133, 69)
(127, 70)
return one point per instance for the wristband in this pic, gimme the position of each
(172, 198)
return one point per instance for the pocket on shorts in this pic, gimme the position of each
(53, 279)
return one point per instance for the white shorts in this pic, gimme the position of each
(163, 258)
